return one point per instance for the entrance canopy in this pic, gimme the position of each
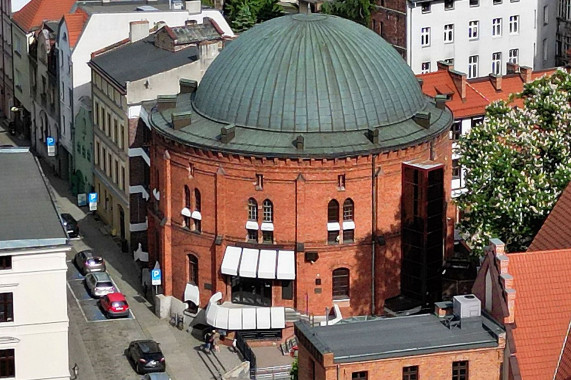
(256, 263)
(237, 317)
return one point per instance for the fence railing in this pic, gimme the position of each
(281, 372)
(246, 351)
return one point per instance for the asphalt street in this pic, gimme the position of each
(97, 344)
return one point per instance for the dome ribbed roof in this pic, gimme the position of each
(309, 73)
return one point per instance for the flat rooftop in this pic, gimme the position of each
(28, 217)
(398, 337)
(115, 6)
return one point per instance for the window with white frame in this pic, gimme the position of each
(497, 63)
(514, 24)
(545, 56)
(425, 7)
(252, 224)
(268, 217)
(474, 3)
(473, 30)
(496, 2)
(546, 15)
(333, 226)
(472, 66)
(425, 37)
(513, 56)
(348, 223)
(448, 33)
(425, 68)
(565, 9)
(496, 27)
(448, 4)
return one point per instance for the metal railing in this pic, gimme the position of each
(273, 373)
(246, 351)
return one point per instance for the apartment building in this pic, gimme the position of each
(121, 133)
(478, 36)
(33, 247)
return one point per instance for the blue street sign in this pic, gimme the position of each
(156, 277)
(92, 197)
(51, 145)
(50, 141)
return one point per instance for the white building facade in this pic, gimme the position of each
(478, 36)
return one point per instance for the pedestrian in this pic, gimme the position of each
(216, 341)
(208, 340)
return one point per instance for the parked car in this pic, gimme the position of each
(87, 262)
(156, 376)
(70, 225)
(114, 305)
(99, 284)
(146, 356)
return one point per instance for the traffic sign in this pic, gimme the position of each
(92, 201)
(51, 144)
(156, 277)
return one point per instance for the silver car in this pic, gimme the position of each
(156, 376)
(87, 262)
(99, 284)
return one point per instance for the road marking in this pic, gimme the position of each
(77, 301)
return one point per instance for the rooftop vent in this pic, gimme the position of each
(467, 306)
(146, 8)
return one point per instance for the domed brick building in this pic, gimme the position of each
(306, 170)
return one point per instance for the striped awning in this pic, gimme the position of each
(255, 263)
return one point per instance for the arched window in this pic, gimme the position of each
(186, 213)
(196, 216)
(268, 211)
(333, 226)
(348, 223)
(341, 283)
(192, 269)
(252, 209)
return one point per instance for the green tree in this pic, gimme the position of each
(294, 370)
(517, 163)
(354, 10)
(243, 14)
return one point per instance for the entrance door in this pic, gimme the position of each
(251, 291)
(122, 222)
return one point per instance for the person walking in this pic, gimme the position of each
(216, 341)
(209, 340)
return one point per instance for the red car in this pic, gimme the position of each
(114, 305)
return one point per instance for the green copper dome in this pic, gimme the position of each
(309, 73)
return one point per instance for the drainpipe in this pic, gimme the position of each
(373, 232)
(338, 371)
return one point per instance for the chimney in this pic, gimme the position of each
(420, 82)
(443, 65)
(512, 68)
(188, 23)
(459, 80)
(496, 81)
(165, 102)
(180, 119)
(194, 6)
(138, 30)
(525, 73)
(187, 86)
(227, 134)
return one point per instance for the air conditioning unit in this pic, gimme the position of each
(467, 306)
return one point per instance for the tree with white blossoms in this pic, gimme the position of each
(517, 163)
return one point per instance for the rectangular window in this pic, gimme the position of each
(448, 33)
(425, 7)
(5, 262)
(104, 159)
(122, 137)
(410, 373)
(122, 178)
(497, 27)
(473, 30)
(7, 364)
(456, 169)
(98, 146)
(460, 370)
(472, 66)
(425, 68)
(115, 131)
(287, 290)
(474, 3)
(448, 4)
(361, 375)
(268, 237)
(108, 125)
(456, 130)
(253, 236)
(333, 237)
(340, 283)
(514, 24)
(476, 121)
(259, 181)
(116, 172)
(496, 2)
(513, 56)
(348, 236)
(425, 37)
(497, 63)
(109, 165)
(546, 15)
(6, 307)
(545, 56)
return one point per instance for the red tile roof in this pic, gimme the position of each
(33, 14)
(542, 309)
(564, 367)
(556, 230)
(75, 23)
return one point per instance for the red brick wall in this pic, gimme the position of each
(390, 20)
(300, 191)
(484, 364)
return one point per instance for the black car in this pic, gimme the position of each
(70, 225)
(146, 356)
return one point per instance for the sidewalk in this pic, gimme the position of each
(185, 360)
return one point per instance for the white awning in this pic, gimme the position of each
(231, 260)
(185, 212)
(333, 226)
(348, 225)
(251, 225)
(249, 263)
(267, 265)
(278, 317)
(267, 226)
(286, 265)
(196, 215)
(211, 312)
(234, 319)
(191, 293)
(248, 318)
(263, 318)
(221, 320)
